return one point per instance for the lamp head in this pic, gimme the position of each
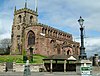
(81, 21)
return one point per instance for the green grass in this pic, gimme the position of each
(19, 58)
(38, 58)
(11, 58)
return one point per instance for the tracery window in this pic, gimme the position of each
(31, 38)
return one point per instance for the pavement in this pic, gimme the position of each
(44, 74)
(39, 74)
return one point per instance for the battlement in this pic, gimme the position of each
(25, 10)
(49, 27)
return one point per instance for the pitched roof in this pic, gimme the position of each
(62, 57)
(71, 58)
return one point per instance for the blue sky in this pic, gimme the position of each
(60, 14)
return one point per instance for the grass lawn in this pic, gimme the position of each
(19, 58)
(38, 58)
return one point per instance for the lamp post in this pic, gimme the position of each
(82, 48)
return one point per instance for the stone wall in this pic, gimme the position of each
(2, 67)
(36, 67)
(20, 67)
(33, 67)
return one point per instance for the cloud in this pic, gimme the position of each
(5, 25)
(5, 35)
(0, 26)
(62, 13)
(66, 13)
(91, 46)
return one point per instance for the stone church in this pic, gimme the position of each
(30, 36)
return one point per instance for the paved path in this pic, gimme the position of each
(39, 74)
(44, 74)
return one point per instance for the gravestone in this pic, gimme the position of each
(9, 66)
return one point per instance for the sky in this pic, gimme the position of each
(60, 14)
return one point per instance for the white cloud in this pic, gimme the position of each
(91, 45)
(5, 25)
(5, 35)
(63, 12)
(0, 24)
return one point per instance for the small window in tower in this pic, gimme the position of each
(73, 45)
(18, 27)
(19, 18)
(31, 19)
(77, 46)
(18, 37)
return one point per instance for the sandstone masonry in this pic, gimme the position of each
(28, 33)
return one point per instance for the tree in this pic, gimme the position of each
(5, 43)
(5, 46)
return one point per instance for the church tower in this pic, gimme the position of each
(22, 18)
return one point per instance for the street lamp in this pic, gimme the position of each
(82, 48)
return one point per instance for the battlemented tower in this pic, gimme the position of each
(22, 18)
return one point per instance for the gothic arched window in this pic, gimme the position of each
(58, 48)
(49, 32)
(19, 18)
(43, 31)
(31, 18)
(31, 38)
(68, 52)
